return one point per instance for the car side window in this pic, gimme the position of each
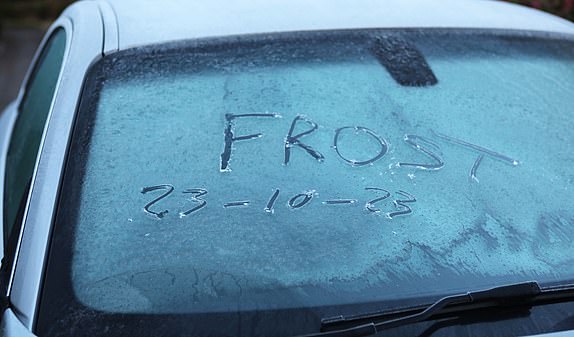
(28, 129)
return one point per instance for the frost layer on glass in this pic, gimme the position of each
(336, 184)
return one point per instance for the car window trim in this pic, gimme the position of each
(85, 35)
(65, 25)
(34, 68)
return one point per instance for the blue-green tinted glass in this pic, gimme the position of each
(319, 169)
(29, 127)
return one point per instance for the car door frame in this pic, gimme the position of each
(7, 123)
(9, 115)
(83, 26)
(10, 324)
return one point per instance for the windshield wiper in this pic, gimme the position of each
(497, 296)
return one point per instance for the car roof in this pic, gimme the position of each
(141, 22)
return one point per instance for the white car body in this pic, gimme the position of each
(98, 27)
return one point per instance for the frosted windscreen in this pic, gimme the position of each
(303, 172)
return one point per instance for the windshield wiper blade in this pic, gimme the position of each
(496, 296)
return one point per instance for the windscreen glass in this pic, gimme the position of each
(317, 169)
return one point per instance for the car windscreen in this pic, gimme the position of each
(310, 171)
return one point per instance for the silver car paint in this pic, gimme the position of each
(84, 30)
(12, 327)
(146, 21)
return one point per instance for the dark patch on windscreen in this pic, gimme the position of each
(406, 64)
